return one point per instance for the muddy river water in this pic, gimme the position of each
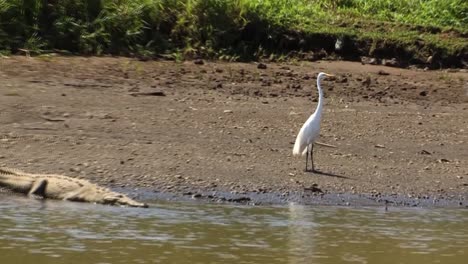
(33, 231)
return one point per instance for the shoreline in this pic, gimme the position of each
(306, 198)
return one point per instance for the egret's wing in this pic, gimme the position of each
(307, 135)
(300, 146)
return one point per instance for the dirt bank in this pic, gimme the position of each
(228, 128)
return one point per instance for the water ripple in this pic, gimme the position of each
(58, 232)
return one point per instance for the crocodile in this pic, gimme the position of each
(53, 186)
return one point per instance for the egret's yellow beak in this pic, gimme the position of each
(329, 75)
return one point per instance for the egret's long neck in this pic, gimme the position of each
(318, 110)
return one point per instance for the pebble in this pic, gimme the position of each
(424, 152)
(381, 72)
(392, 62)
(199, 62)
(197, 195)
(75, 169)
(262, 66)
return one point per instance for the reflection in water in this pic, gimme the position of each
(301, 234)
(52, 232)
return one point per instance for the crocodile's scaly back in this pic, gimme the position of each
(9, 171)
(62, 187)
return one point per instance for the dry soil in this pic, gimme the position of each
(220, 130)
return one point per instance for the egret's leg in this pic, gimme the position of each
(312, 156)
(307, 157)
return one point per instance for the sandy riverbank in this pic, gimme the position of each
(229, 127)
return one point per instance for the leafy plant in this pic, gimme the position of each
(230, 29)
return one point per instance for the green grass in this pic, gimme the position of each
(235, 29)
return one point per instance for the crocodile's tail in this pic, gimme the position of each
(10, 171)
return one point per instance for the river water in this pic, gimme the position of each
(34, 231)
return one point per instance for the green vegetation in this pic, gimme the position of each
(237, 29)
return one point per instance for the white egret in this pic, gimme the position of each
(311, 129)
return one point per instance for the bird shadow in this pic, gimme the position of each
(328, 174)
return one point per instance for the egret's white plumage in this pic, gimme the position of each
(311, 129)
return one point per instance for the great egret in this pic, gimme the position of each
(311, 129)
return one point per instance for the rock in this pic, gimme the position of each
(197, 195)
(423, 93)
(339, 44)
(217, 86)
(379, 146)
(198, 62)
(261, 66)
(310, 56)
(391, 62)
(366, 81)
(381, 72)
(320, 54)
(314, 188)
(240, 199)
(155, 93)
(425, 152)
(429, 60)
(75, 169)
(342, 80)
(367, 60)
